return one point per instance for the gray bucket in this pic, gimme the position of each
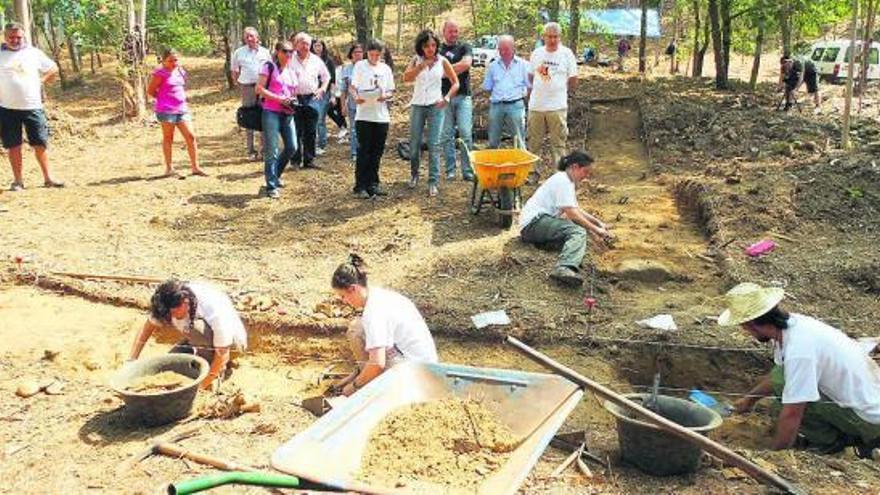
(656, 451)
(159, 408)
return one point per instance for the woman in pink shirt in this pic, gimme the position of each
(277, 89)
(167, 87)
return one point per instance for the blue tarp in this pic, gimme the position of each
(618, 22)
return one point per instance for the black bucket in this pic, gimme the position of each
(162, 407)
(657, 451)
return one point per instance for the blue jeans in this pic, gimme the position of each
(419, 116)
(512, 115)
(460, 114)
(274, 125)
(322, 119)
(353, 143)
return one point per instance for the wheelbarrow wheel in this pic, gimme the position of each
(505, 204)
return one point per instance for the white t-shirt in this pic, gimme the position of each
(215, 307)
(249, 62)
(20, 72)
(555, 193)
(392, 320)
(551, 71)
(428, 88)
(370, 81)
(820, 359)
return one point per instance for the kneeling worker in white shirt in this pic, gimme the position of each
(828, 384)
(390, 330)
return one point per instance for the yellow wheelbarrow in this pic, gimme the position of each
(499, 175)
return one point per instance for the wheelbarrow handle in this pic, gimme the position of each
(463, 145)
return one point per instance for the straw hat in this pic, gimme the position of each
(747, 301)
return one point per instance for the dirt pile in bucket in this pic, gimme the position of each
(160, 382)
(453, 442)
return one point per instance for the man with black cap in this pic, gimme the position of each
(827, 386)
(792, 74)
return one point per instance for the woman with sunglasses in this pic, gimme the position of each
(277, 88)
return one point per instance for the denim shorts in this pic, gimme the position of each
(33, 121)
(173, 118)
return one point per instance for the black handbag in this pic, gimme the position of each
(250, 117)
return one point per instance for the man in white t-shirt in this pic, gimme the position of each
(205, 317)
(247, 61)
(553, 73)
(828, 384)
(23, 71)
(552, 216)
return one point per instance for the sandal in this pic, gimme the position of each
(53, 183)
(200, 173)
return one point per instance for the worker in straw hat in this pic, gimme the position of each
(828, 384)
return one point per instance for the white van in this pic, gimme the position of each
(831, 59)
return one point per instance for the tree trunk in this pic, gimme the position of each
(698, 52)
(249, 9)
(756, 62)
(23, 15)
(726, 41)
(100, 62)
(870, 16)
(52, 38)
(574, 25)
(379, 30)
(784, 12)
(73, 52)
(643, 36)
(553, 10)
(92, 61)
(718, 46)
(847, 105)
(361, 20)
(399, 23)
(227, 65)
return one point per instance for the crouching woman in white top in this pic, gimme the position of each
(206, 319)
(390, 330)
(552, 216)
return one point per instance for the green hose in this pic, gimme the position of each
(239, 477)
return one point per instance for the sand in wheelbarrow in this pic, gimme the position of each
(453, 442)
(164, 381)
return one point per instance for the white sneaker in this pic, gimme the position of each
(320, 151)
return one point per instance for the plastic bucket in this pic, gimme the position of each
(656, 451)
(161, 407)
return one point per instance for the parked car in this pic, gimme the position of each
(831, 59)
(485, 50)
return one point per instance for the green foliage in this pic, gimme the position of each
(181, 30)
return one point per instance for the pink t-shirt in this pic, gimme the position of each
(282, 83)
(171, 96)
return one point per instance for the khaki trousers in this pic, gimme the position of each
(552, 124)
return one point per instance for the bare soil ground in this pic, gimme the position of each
(688, 176)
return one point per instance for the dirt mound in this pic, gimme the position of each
(164, 381)
(692, 128)
(451, 442)
(844, 192)
(66, 127)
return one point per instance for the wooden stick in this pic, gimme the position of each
(714, 448)
(567, 462)
(178, 452)
(126, 278)
(784, 237)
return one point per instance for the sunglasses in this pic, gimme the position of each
(286, 51)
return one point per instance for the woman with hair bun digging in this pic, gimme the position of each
(389, 331)
(552, 216)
